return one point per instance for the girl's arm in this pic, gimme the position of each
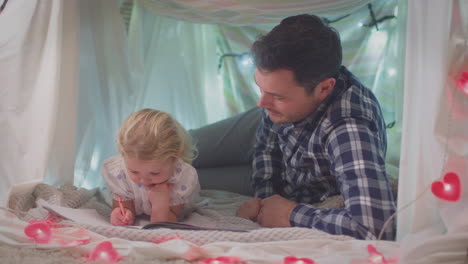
(166, 213)
(176, 210)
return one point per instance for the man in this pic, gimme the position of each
(322, 134)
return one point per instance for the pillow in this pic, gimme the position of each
(227, 142)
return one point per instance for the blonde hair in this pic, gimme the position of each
(154, 135)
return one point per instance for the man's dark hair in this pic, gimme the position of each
(303, 44)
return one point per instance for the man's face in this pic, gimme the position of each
(283, 98)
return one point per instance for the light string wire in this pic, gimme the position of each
(387, 222)
(374, 23)
(444, 161)
(16, 212)
(3, 5)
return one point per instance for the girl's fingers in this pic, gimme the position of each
(128, 217)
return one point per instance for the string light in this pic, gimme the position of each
(39, 231)
(246, 60)
(105, 252)
(375, 257)
(448, 189)
(391, 72)
(294, 260)
(462, 83)
(223, 260)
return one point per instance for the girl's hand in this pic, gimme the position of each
(117, 219)
(160, 194)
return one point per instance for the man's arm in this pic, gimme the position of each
(357, 157)
(267, 159)
(266, 169)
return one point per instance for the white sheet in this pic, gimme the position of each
(263, 246)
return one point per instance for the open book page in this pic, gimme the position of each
(183, 226)
(92, 217)
(84, 216)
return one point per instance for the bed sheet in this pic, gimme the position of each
(259, 245)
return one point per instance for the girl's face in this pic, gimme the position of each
(149, 172)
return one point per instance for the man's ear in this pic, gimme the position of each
(324, 88)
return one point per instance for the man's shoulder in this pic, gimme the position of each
(356, 101)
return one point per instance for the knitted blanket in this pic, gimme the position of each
(216, 210)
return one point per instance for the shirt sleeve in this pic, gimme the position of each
(357, 160)
(267, 160)
(116, 179)
(186, 187)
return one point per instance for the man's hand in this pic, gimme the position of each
(275, 211)
(249, 209)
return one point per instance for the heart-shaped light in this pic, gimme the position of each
(462, 83)
(449, 189)
(223, 260)
(294, 260)
(39, 231)
(375, 257)
(104, 252)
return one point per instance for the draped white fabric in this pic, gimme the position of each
(106, 93)
(165, 66)
(174, 64)
(38, 69)
(39, 97)
(436, 54)
(247, 12)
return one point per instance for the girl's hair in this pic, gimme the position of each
(154, 135)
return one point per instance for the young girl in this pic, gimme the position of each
(152, 174)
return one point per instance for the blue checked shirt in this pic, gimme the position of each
(338, 149)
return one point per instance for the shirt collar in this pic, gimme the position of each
(341, 85)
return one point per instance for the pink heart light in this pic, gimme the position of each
(39, 231)
(104, 252)
(449, 189)
(294, 260)
(223, 260)
(375, 257)
(462, 83)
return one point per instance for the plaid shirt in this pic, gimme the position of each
(338, 149)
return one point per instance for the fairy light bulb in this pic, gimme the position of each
(376, 259)
(449, 188)
(462, 83)
(105, 252)
(40, 232)
(294, 260)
